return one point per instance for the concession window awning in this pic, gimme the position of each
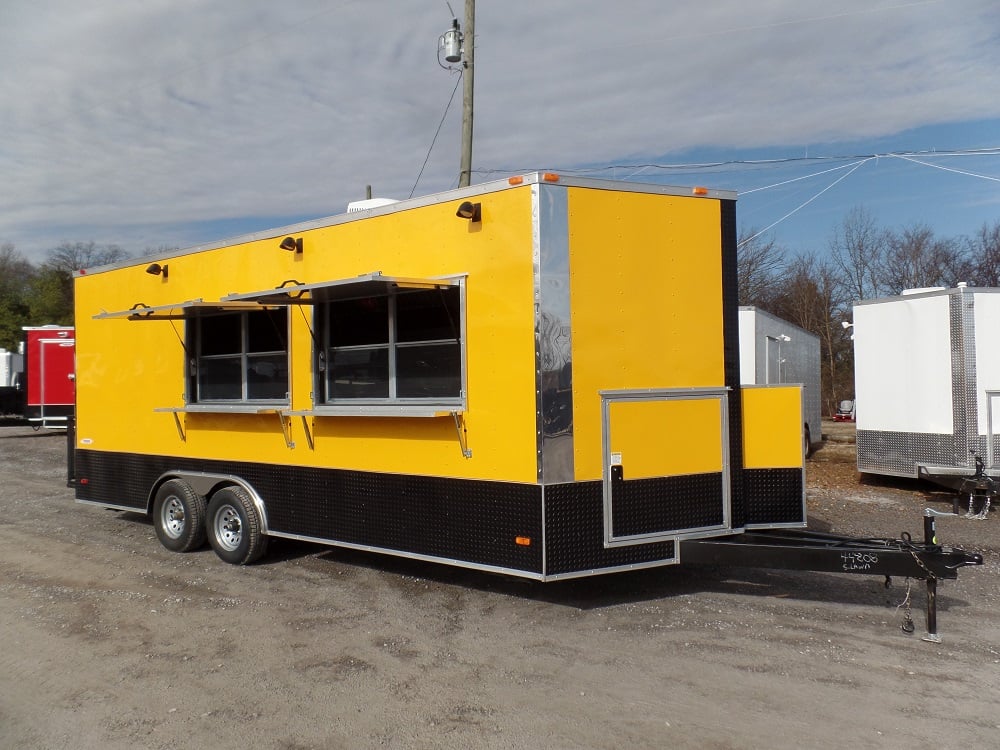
(178, 311)
(373, 284)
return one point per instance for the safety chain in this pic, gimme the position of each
(981, 515)
(916, 558)
(907, 626)
(906, 542)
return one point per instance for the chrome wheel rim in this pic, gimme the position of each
(228, 528)
(172, 517)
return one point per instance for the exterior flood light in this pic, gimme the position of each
(155, 269)
(291, 244)
(471, 211)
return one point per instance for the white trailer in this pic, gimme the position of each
(11, 382)
(927, 381)
(774, 351)
(11, 368)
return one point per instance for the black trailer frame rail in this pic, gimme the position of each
(801, 549)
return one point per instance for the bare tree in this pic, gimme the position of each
(983, 257)
(798, 301)
(858, 251)
(917, 259)
(15, 269)
(51, 300)
(760, 262)
(73, 256)
(813, 297)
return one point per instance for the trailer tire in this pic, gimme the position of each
(807, 445)
(234, 527)
(179, 516)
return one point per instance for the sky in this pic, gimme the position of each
(174, 123)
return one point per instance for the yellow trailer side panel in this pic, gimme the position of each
(772, 427)
(646, 295)
(641, 430)
(127, 369)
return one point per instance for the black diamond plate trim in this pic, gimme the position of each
(774, 496)
(664, 504)
(114, 478)
(454, 519)
(574, 533)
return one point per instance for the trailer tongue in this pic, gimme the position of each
(801, 549)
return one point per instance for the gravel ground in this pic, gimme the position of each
(113, 642)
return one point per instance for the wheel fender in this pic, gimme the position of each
(206, 484)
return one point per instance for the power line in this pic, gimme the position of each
(700, 166)
(855, 163)
(436, 132)
(795, 179)
(806, 203)
(947, 169)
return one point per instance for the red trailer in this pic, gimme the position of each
(50, 375)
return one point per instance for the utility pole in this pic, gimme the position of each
(468, 63)
(461, 48)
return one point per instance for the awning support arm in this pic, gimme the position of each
(180, 427)
(286, 429)
(463, 435)
(308, 433)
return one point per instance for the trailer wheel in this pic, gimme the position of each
(807, 444)
(234, 527)
(179, 516)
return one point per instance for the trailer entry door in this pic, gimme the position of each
(58, 385)
(666, 454)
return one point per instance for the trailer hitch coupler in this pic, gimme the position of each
(930, 530)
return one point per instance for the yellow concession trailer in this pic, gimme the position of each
(537, 376)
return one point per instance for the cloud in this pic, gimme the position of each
(141, 123)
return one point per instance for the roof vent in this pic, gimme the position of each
(369, 203)
(922, 290)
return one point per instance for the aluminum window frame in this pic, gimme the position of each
(325, 402)
(194, 336)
